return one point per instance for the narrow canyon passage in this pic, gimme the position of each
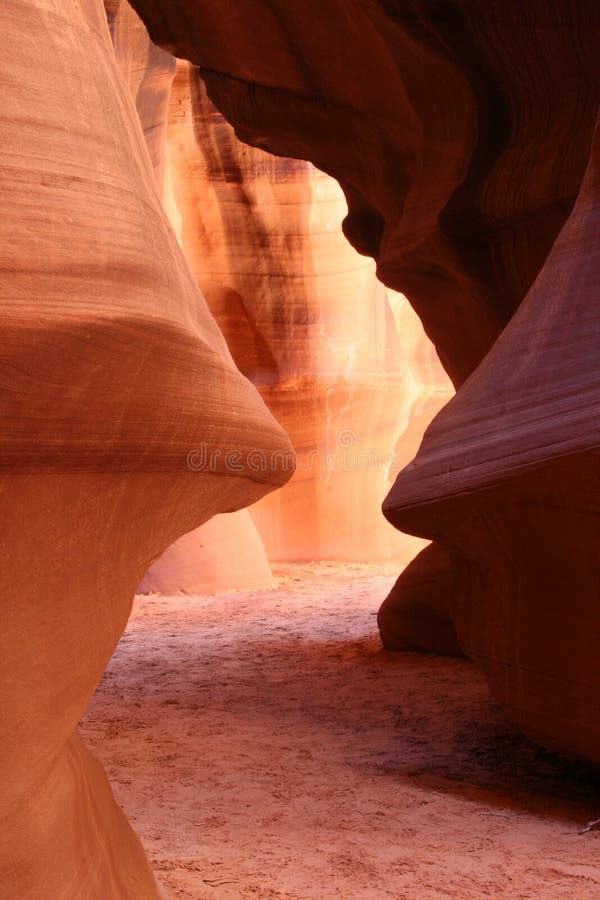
(283, 283)
(264, 745)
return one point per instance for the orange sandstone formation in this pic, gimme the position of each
(507, 479)
(460, 134)
(263, 236)
(224, 553)
(113, 372)
(417, 613)
(264, 240)
(148, 72)
(306, 320)
(227, 551)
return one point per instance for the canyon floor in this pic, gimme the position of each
(264, 745)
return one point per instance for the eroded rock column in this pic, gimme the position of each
(112, 372)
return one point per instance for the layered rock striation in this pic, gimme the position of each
(226, 552)
(341, 363)
(508, 480)
(460, 135)
(113, 372)
(354, 392)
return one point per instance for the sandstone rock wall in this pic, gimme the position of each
(508, 480)
(227, 551)
(112, 371)
(342, 363)
(263, 236)
(459, 176)
(460, 135)
(343, 366)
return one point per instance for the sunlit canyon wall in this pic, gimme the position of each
(112, 368)
(460, 136)
(342, 368)
(204, 558)
(342, 362)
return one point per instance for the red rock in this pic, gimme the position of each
(507, 478)
(342, 364)
(225, 552)
(264, 239)
(460, 141)
(112, 371)
(417, 613)
(460, 137)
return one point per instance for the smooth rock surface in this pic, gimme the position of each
(508, 480)
(227, 553)
(459, 176)
(416, 614)
(224, 553)
(264, 239)
(459, 133)
(112, 371)
(342, 363)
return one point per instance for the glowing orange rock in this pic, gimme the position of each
(342, 363)
(112, 372)
(148, 72)
(264, 238)
(225, 553)
(460, 138)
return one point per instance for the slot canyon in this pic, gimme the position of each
(300, 433)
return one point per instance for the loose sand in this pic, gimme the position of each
(264, 745)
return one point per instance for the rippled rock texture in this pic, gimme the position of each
(227, 551)
(342, 363)
(263, 236)
(355, 392)
(112, 371)
(460, 135)
(508, 480)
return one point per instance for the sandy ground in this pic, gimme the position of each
(264, 745)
